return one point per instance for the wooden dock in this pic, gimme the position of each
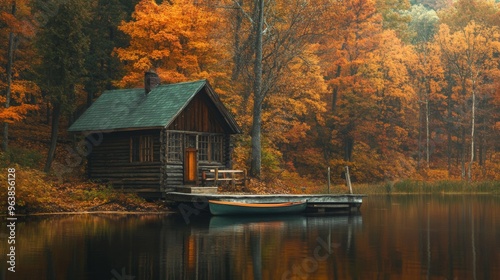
(315, 202)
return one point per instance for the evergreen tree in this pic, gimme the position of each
(103, 67)
(62, 46)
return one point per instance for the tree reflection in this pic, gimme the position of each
(402, 237)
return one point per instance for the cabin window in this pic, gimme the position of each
(210, 146)
(146, 145)
(141, 149)
(217, 148)
(203, 144)
(174, 149)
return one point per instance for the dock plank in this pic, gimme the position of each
(315, 201)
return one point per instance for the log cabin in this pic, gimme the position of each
(153, 139)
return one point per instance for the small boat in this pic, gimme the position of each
(239, 208)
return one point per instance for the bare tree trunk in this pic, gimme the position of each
(256, 163)
(90, 97)
(482, 132)
(469, 175)
(255, 168)
(449, 127)
(5, 136)
(427, 94)
(348, 148)
(237, 60)
(464, 133)
(335, 91)
(8, 72)
(56, 114)
(463, 148)
(427, 133)
(419, 138)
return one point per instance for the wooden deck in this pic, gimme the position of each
(315, 202)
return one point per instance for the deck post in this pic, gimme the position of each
(245, 182)
(203, 178)
(216, 175)
(328, 179)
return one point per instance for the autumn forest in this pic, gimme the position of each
(394, 89)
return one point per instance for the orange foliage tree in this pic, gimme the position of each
(279, 76)
(315, 84)
(346, 67)
(426, 76)
(469, 56)
(389, 129)
(16, 24)
(173, 38)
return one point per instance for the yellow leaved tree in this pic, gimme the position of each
(173, 38)
(17, 92)
(470, 57)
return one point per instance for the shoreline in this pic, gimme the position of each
(95, 212)
(435, 193)
(171, 212)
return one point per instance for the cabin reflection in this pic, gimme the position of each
(264, 247)
(406, 237)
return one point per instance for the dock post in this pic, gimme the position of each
(348, 178)
(328, 179)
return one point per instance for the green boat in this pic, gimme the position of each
(239, 208)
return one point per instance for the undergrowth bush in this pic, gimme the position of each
(33, 192)
(20, 156)
(444, 186)
(38, 192)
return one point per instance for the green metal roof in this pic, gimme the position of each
(126, 109)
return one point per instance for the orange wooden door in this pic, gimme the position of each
(190, 166)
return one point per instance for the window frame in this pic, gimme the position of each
(174, 150)
(141, 148)
(210, 146)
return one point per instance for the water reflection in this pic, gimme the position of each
(406, 237)
(277, 247)
(424, 237)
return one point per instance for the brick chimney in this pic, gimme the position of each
(151, 80)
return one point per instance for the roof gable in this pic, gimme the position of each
(131, 109)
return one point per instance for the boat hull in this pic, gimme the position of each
(236, 208)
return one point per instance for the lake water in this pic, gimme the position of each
(398, 237)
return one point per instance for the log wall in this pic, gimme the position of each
(109, 162)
